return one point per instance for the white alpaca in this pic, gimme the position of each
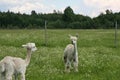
(71, 54)
(13, 65)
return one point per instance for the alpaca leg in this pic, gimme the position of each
(9, 71)
(71, 66)
(76, 66)
(2, 76)
(16, 76)
(67, 66)
(8, 76)
(75, 63)
(23, 76)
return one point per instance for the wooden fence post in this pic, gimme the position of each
(115, 34)
(45, 33)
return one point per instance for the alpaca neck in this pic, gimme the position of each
(28, 57)
(75, 49)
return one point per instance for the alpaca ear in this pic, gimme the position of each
(24, 46)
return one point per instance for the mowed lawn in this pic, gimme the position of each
(98, 58)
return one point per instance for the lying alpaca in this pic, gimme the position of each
(13, 65)
(71, 54)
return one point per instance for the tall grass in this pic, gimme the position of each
(98, 58)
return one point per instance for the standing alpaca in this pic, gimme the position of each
(71, 54)
(13, 66)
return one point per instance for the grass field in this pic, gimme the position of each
(98, 58)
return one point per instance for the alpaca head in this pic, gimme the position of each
(73, 39)
(30, 46)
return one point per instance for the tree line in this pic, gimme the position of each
(58, 20)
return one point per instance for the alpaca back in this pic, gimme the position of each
(69, 52)
(12, 64)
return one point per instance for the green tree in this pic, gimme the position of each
(33, 12)
(108, 11)
(68, 15)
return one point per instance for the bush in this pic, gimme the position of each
(57, 24)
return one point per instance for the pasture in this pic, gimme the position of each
(98, 58)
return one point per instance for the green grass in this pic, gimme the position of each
(98, 58)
